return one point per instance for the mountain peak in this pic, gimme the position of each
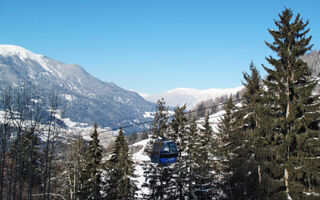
(13, 50)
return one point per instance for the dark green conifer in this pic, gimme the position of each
(159, 124)
(121, 171)
(91, 174)
(249, 122)
(178, 134)
(191, 157)
(252, 96)
(228, 141)
(203, 185)
(294, 139)
(158, 177)
(235, 153)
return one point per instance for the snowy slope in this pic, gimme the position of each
(138, 158)
(213, 120)
(190, 97)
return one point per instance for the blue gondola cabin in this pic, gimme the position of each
(164, 152)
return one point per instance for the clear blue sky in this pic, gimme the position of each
(151, 46)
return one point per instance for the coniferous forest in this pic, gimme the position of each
(266, 145)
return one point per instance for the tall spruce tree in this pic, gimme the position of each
(294, 140)
(121, 171)
(249, 122)
(91, 174)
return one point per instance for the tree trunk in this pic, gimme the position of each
(19, 174)
(3, 158)
(10, 176)
(286, 177)
(45, 176)
(14, 174)
(49, 171)
(259, 174)
(30, 169)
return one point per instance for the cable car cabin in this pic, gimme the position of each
(164, 152)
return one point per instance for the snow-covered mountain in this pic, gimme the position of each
(88, 99)
(188, 96)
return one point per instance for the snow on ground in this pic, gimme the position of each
(140, 156)
(138, 159)
(74, 129)
(213, 120)
(312, 194)
(69, 97)
(148, 114)
(2, 116)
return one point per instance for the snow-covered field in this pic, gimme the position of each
(138, 159)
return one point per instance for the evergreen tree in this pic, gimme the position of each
(235, 164)
(248, 120)
(191, 158)
(294, 139)
(178, 134)
(158, 177)
(203, 185)
(121, 171)
(252, 97)
(91, 174)
(227, 139)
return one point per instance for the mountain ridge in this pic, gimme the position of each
(89, 99)
(190, 96)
